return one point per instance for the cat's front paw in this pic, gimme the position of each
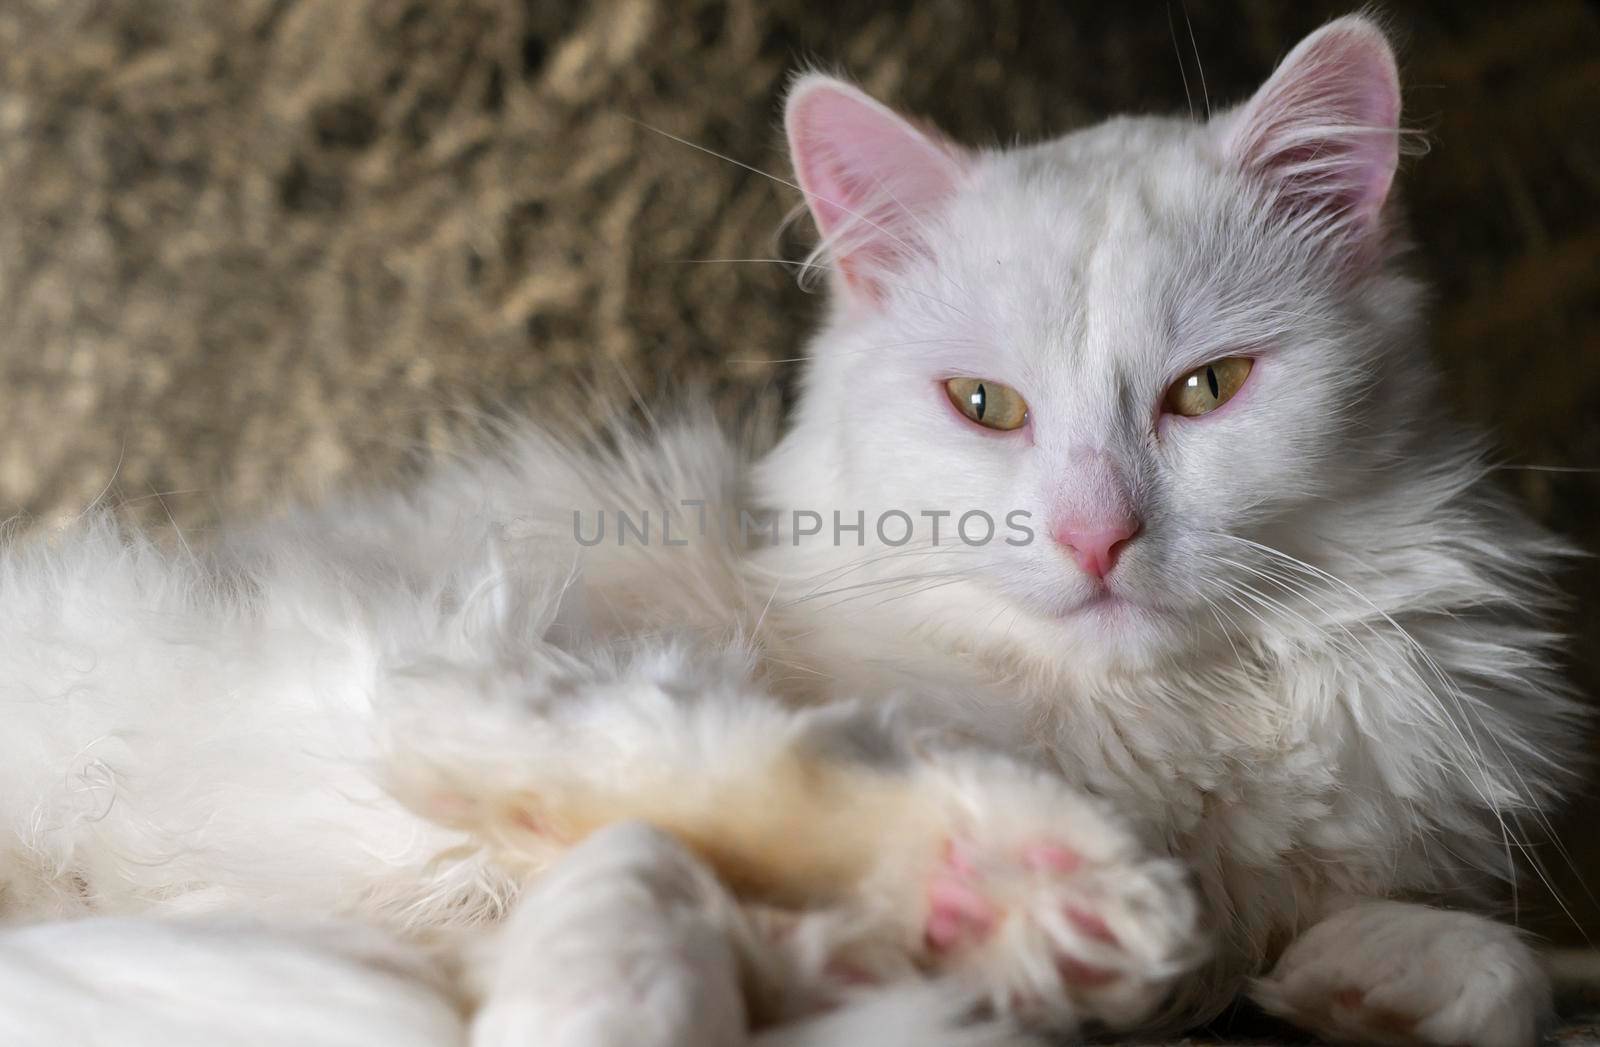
(1393, 973)
(1052, 907)
(628, 939)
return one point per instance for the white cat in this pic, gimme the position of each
(1224, 664)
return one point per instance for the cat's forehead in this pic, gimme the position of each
(1127, 182)
(1117, 148)
(1072, 249)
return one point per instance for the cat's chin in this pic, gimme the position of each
(1112, 610)
(1111, 632)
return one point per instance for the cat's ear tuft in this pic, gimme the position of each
(1324, 130)
(870, 177)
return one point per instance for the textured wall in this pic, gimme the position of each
(249, 248)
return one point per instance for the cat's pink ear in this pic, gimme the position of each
(1325, 129)
(869, 176)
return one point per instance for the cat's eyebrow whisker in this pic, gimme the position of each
(770, 176)
(807, 264)
(1172, 31)
(920, 224)
(853, 352)
(1244, 313)
(1199, 68)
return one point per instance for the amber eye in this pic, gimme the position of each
(1208, 386)
(990, 404)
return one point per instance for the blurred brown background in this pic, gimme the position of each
(251, 248)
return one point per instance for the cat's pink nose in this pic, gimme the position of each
(1096, 549)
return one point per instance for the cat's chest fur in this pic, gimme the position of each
(1287, 778)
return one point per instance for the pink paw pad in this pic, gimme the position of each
(1089, 925)
(1075, 972)
(958, 914)
(1057, 860)
(961, 914)
(1051, 858)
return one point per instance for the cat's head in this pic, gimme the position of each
(1161, 339)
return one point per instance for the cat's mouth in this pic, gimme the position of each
(1112, 629)
(1108, 604)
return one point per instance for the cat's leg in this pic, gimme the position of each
(953, 862)
(1396, 973)
(627, 940)
(630, 941)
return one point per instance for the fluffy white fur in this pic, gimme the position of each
(158, 983)
(1321, 684)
